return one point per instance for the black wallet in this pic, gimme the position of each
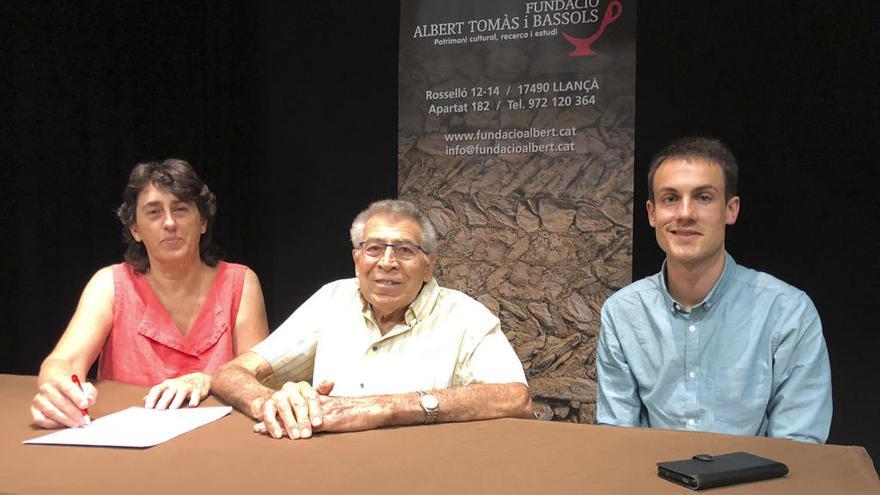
(708, 471)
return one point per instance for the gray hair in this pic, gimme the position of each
(397, 209)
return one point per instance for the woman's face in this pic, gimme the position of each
(169, 228)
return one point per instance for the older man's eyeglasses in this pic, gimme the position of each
(403, 251)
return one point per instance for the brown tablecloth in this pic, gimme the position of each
(500, 456)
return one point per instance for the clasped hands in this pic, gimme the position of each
(298, 410)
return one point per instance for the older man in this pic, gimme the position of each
(707, 344)
(389, 347)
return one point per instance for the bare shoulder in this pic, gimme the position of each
(251, 325)
(251, 284)
(101, 284)
(251, 277)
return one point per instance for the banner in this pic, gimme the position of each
(516, 124)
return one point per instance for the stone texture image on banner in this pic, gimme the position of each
(516, 137)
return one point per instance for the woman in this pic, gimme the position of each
(167, 317)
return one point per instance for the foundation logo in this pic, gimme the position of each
(538, 19)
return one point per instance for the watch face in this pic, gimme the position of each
(429, 401)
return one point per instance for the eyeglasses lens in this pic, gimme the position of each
(402, 251)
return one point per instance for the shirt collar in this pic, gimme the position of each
(711, 298)
(418, 310)
(421, 307)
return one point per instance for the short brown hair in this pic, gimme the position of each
(706, 148)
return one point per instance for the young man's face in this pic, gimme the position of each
(689, 212)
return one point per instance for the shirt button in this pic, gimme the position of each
(691, 422)
(692, 374)
(692, 328)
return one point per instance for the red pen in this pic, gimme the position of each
(83, 410)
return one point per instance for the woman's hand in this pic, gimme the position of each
(171, 393)
(59, 403)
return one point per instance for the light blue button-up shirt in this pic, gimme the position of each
(750, 359)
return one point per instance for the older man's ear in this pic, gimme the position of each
(429, 270)
(354, 254)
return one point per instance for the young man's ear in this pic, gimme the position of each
(732, 210)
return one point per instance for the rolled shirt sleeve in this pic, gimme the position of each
(492, 360)
(290, 349)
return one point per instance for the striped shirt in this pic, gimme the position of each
(447, 340)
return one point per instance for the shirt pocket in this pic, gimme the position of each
(739, 398)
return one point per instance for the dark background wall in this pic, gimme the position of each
(290, 114)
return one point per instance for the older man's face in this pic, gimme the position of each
(389, 284)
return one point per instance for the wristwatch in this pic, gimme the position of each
(431, 406)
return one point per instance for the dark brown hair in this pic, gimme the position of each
(709, 149)
(178, 178)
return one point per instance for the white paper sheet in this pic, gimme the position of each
(135, 427)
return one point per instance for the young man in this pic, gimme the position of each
(707, 344)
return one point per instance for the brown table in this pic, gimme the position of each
(499, 456)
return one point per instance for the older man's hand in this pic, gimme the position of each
(294, 411)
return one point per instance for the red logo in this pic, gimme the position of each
(583, 46)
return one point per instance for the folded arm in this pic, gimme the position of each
(298, 409)
(340, 414)
(467, 403)
(294, 410)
